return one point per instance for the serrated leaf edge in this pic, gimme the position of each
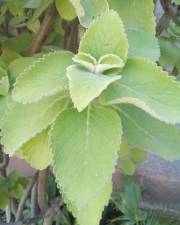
(30, 162)
(80, 109)
(2, 81)
(33, 65)
(96, 19)
(58, 180)
(157, 43)
(140, 103)
(35, 133)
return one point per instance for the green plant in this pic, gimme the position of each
(70, 110)
(11, 186)
(128, 203)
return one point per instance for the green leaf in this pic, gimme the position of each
(137, 155)
(23, 122)
(108, 37)
(169, 53)
(4, 82)
(85, 60)
(92, 212)
(33, 4)
(44, 4)
(45, 77)
(16, 67)
(145, 85)
(104, 64)
(4, 199)
(85, 147)
(14, 175)
(33, 25)
(128, 167)
(16, 191)
(86, 86)
(124, 149)
(88, 10)
(130, 204)
(36, 151)
(177, 2)
(3, 106)
(145, 132)
(65, 9)
(16, 7)
(8, 55)
(137, 15)
(110, 61)
(143, 44)
(19, 43)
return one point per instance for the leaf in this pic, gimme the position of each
(104, 64)
(145, 85)
(137, 155)
(107, 35)
(3, 105)
(45, 77)
(19, 43)
(4, 82)
(169, 53)
(14, 175)
(88, 10)
(8, 55)
(177, 2)
(44, 4)
(65, 9)
(16, 67)
(86, 86)
(84, 147)
(36, 151)
(130, 204)
(23, 122)
(4, 199)
(85, 60)
(33, 25)
(91, 214)
(143, 44)
(16, 191)
(109, 61)
(128, 167)
(124, 149)
(16, 7)
(33, 4)
(145, 132)
(136, 14)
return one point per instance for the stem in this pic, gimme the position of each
(42, 196)
(41, 35)
(4, 161)
(56, 206)
(71, 36)
(24, 197)
(34, 207)
(169, 12)
(8, 212)
(42, 190)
